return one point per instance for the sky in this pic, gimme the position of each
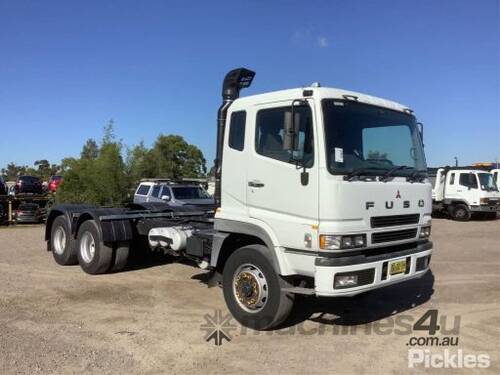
(67, 68)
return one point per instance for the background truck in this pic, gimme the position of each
(460, 192)
(319, 191)
(495, 173)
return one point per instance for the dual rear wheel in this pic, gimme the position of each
(88, 249)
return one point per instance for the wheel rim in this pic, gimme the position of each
(250, 288)
(87, 247)
(59, 240)
(460, 213)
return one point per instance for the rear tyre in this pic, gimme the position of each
(62, 243)
(120, 258)
(94, 255)
(460, 212)
(253, 290)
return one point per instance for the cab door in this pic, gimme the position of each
(468, 188)
(282, 186)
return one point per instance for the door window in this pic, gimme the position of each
(237, 130)
(143, 190)
(452, 179)
(468, 180)
(156, 191)
(269, 134)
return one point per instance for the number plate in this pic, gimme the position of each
(398, 266)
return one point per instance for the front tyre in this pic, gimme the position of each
(460, 212)
(94, 255)
(253, 290)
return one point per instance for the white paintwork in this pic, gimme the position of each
(324, 277)
(287, 211)
(496, 175)
(444, 190)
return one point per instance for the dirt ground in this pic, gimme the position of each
(149, 319)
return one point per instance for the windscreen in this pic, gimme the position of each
(364, 137)
(190, 192)
(487, 183)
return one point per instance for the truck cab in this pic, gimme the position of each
(460, 192)
(346, 202)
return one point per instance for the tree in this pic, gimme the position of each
(99, 180)
(173, 157)
(140, 163)
(12, 171)
(90, 149)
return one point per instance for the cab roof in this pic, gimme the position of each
(319, 93)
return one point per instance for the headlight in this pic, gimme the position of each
(334, 242)
(425, 232)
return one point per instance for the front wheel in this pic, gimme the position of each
(460, 212)
(253, 290)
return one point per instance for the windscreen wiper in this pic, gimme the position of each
(359, 171)
(394, 169)
(415, 174)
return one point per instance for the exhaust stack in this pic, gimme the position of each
(234, 81)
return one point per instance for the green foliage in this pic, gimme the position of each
(90, 150)
(98, 177)
(101, 176)
(43, 169)
(174, 158)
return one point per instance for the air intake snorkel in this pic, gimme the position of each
(234, 81)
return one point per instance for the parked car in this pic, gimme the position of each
(174, 193)
(29, 213)
(28, 184)
(4, 190)
(54, 183)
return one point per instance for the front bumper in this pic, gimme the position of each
(485, 208)
(377, 265)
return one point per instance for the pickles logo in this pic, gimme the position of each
(218, 327)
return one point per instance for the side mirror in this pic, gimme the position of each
(290, 135)
(420, 127)
(291, 128)
(166, 198)
(472, 181)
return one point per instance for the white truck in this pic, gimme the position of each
(460, 192)
(495, 173)
(320, 191)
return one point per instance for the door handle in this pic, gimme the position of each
(255, 184)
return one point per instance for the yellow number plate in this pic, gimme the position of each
(398, 266)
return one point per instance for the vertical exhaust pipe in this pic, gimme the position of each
(234, 81)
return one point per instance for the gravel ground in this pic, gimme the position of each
(148, 319)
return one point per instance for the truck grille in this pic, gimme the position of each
(393, 220)
(394, 235)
